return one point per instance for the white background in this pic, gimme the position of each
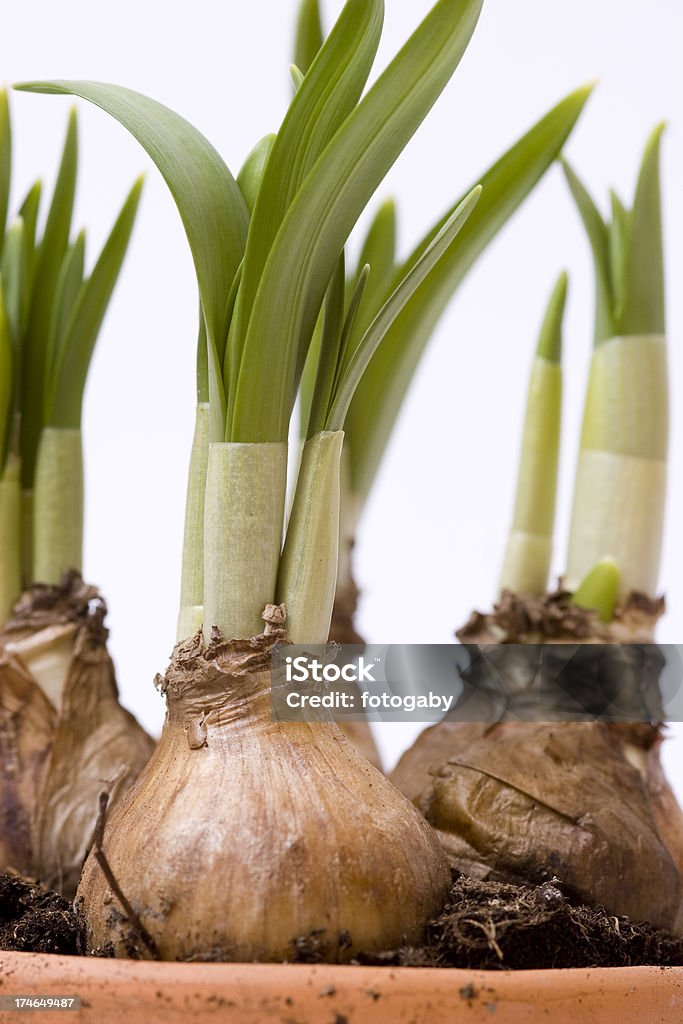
(432, 537)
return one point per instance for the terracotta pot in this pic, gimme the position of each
(113, 991)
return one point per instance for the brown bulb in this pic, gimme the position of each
(67, 736)
(246, 839)
(525, 800)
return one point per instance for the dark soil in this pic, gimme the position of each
(496, 926)
(36, 920)
(484, 925)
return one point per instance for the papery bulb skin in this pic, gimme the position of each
(343, 631)
(519, 792)
(247, 839)
(27, 723)
(63, 707)
(43, 628)
(97, 745)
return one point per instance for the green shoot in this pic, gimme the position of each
(627, 253)
(300, 205)
(49, 258)
(50, 315)
(88, 301)
(529, 548)
(620, 489)
(599, 590)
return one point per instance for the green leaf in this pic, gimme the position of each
(67, 291)
(48, 258)
(202, 361)
(330, 349)
(13, 269)
(208, 198)
(309, 34)
(29, 214)
(250, 177)
(6, 379)
(550, 339)
(356, 301)
(598, 236)
(217, 401)
(643, 307)
(308, 379)
(619, 230)
(334, 355)
(218, 372)
(326, 208)
(75, 351)
(379, 252)
(12, 286)
(379, 247)
(506, 184)
(328, 94)
(391, 310)
(5, 162)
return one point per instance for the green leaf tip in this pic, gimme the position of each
(550, 339)
(251, 174)
(72, 363)
(309, 34)
(297, 76)
(379, 247)
(599, 589)
(627, 252)
(642, 310)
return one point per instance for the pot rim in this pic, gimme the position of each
(334, 994)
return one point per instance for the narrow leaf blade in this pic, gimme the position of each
(643, 310)
(327, 95)
(6, 379)
(251, 174)
(392, 309)
(5, 162)
(550, 338)
(328, 205)
(209, 201)
(64, 409)
(49, 258)
(309, 34)
(379, 252)
(13, 269)
(330, 348)
(598, 237)
(505, 185)
(67, 291)
(28, 212)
